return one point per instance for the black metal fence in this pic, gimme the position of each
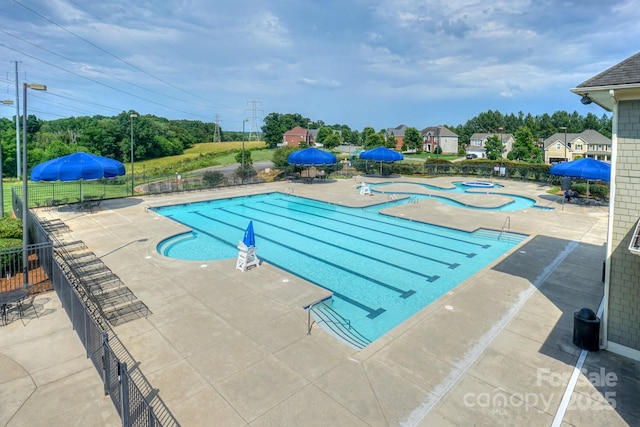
(136, 401)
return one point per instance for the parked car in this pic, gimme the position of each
(472, 156)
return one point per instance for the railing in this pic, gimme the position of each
(136, 401)
(507, 225)
(335, 324)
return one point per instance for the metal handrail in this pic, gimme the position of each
(507, 225)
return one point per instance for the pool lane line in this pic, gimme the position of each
(415, 254)
(372, 312)
(484, 246)
(351, 224)
(402, 293)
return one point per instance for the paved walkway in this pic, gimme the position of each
(231, 348)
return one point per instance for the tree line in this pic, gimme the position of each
(159, 137)
(536, 128)
(153, 137)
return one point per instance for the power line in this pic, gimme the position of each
(111, 54)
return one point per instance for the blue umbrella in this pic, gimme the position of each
(587, 168)
(249, 238)
(381, 154)
(311, 157)
(77, 167)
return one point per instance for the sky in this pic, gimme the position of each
(379, 63)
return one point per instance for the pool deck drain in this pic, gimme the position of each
(233, 347)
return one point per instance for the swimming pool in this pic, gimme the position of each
(380, 269)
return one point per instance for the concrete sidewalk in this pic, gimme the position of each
(230, 348)
(45, 376)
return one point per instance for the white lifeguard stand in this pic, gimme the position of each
(364, 189)
(246, 257)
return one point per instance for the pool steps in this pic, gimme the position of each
(334, 324)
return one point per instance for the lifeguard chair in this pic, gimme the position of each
(246, 257)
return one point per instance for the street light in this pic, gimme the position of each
(565, 141)
(242, 176)
(25, 196)
(131, 117)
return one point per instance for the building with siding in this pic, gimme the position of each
(617, 90)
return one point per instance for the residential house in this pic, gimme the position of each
(589, 143)
(398, 133)
(478, 141)
(435, 136)
(617, 90)
(293, 137)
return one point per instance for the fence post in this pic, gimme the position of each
(124, 393)
(106, 368)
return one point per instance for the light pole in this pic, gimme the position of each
(4, 102)
(131, 117)
(25, 196)
(242, 176)
(500, 130)
(565, 141)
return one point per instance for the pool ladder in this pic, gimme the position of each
(507, 225)
(392, 196)
(289, 190)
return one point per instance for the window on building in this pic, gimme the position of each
(558, 146)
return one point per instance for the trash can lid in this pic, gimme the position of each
(585, 314)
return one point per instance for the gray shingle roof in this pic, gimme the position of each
(624, 73)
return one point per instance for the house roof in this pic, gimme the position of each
(625, 73)
(397, 131)
(589, 136)
(438, 131)
(298, 130)
(622, 81)
(482, 136)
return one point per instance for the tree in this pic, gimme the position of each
(523, 147)
(374, 140)
(247, 157)
(494, 147)
(323, 133)
(332, 141)
(280, 156)
(412, 138)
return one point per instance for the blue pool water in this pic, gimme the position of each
(516, 203)
(380, 269)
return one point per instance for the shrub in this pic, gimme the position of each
(212, 178)
(10, 263)
(10, 228)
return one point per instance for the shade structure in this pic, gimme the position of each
(77, 166)
(382, 155)
(587, 168)
(311, 157)
(249, 238)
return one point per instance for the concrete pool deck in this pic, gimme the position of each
(225, 347)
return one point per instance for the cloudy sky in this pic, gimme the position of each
(377, 63)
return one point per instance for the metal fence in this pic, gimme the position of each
(136, 401)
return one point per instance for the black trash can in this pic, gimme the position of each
(586, 330)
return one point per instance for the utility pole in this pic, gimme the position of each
(216, 135)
